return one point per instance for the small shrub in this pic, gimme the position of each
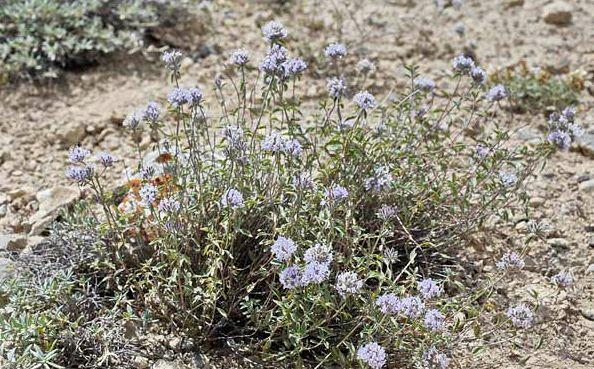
(40, 37)
(311, 239)
(536, 90)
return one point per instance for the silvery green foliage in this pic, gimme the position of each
(310, 236)
(39, 37)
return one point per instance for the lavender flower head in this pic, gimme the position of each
(232, 198)
(364, 100)
(372, 354)
(481, 151)
(168, 205)
(152, 112)
(232, 134)
(292, 147)
(106, 159)
(335, 51)
(273, 62)
(294, 67)
(274, 143)
(80, 174)
(496, 93)
(562, 279)
(336, 87)
(240, 57)
(510, 260)
(434, 320)
(386, 212)
(478, 75)
(429, 289)
(508, 179)
(560, 138)
(334, 195)
(315, 273)
(291, 277)
(318, 253)
(424, 84)
(178, 97)
(348, 283)
(381, 179)
(148, 193)
(521, 316)
(412, 307)
(283, 248)
(172, 59)
(389, 304)
(303, 181)
(78, 154)
(463, 64)
(274, 31)
(433, 359)
(134, 119)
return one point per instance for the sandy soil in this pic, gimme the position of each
(38, 124)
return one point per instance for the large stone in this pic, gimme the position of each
(586, 144)
(12, 242)
(558, 13)
(51, 201)
(165, 364)
(587, 186)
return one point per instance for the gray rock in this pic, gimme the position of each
(588, 313)
(558, 13)
(587, 186)
(585, 144)
(141, 362)
(12, 242)
(558, 242)
(51, 201)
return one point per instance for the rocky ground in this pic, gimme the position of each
(39, 123)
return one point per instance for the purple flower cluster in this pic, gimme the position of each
(148, 194)
(412, 307)
(386, 212)
(336, 87)
(463, 64)
(434, 320)
(274, 31)
(348, 283)
(283, 248)
(364, 100)
(335, 51)
(315, 273)
(149, 114)
(496, 93)
(240, 57)
(275, 143)
(563, 128)
(273, 61)
(381, 180)
(372, 354)
(168, 205)
(291, 277)
(521, 316)
(181, 96)
(78, 154)
(429, 289)
(433, 359)
(172, 59)
(80, 174)
(562, 279)
(508, 179)
(334, 195)
(318, 253)
(510, 260)
(424, 84)
(482, 151)
(303, 181)
(388, 304)
(478, 75)
(232, 198)
(106, 159)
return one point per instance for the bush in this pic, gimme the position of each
(315, 239)
(39, 37)
(536, 90)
